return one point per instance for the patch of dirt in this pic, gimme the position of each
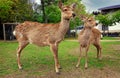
(89, 73)
(105, 72)
(116, 47)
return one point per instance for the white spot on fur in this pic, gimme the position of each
(14, 32)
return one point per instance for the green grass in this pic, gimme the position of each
(109, 38)
(104, 38)
(39, 60)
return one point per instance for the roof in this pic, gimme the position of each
(110, 7)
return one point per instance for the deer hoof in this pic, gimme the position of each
(60, 68)
(86, 67)
(20, 68)
(77, 66)
(58, 73)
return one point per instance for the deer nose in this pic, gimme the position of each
(96, 24)
(73, 14)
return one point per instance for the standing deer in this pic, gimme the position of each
(89, 35)
(42, 34)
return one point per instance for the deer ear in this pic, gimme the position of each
(73, 5)
(60, 4)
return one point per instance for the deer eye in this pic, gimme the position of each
(65, 9)
(89, 20)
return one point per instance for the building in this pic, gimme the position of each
(111, 30)
(109, 9)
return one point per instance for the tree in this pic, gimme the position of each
(108, 19)
(15, 10)
(21, 11)
(52, 14)
(5, 7)
(116, 17)
(105, 20)
(43, 10)
(48, 11)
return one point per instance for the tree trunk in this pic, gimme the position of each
(43, 10)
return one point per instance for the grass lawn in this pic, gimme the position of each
(110, 38)
(38, 62)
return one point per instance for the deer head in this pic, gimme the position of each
(67, 11)
(88, 21)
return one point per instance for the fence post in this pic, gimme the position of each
(4, 32)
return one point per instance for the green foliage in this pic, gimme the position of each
(5, 4)
(104, 19)
(21, 11)
(109, 19)
(52, 13)
(37, 17)
(116, 17)
(15, 10)
(75, 22)
(5, 7)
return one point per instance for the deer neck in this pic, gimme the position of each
(64, 26)
(87, 33)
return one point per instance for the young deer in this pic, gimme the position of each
(89, 35)
(42, 34)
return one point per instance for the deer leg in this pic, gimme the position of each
(20, 48)
(54, 49)
(86, 57)
(100, 53)
(79, 58)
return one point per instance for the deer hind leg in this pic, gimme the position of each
(54, 49)
(98, 47)
(79, 58)
(21, 46)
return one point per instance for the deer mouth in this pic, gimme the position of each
(73, 14)
(67, 19)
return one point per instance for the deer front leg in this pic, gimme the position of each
(18, 57)
(100, 53)
(20, 48)
(54, 49)
(86, 57)
(79, 58)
